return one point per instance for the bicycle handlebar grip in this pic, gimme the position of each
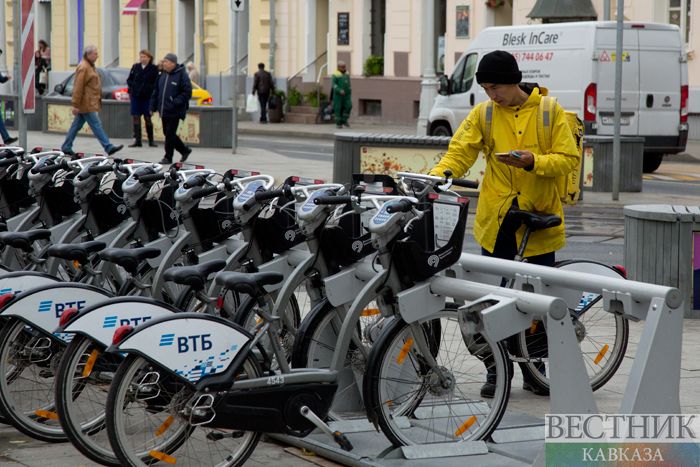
(269, 194)
(9, 161)
(402, 205)
(151, 177)
(202, 192)
(199, 181)
(100, 169)
(50, 168)
(330, 199)
(465, 183)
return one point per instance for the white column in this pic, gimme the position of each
(310, 40)
(3, 38)
(428, 90)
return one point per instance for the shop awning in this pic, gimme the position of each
(132, 7)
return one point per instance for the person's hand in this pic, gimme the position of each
(526, 159)
(342, 92)
(74, 110)
(8, 76)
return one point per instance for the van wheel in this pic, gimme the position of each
(652, 161)
(441, 129)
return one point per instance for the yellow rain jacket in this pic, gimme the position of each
(514, 128)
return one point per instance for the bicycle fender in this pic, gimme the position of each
(191, 345)
(99, 322)
(42, 307)
(18, 281)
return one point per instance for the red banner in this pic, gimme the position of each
(27, 61)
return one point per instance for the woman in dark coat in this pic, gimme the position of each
(142, 79)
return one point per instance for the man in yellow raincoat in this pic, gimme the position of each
(523, 181)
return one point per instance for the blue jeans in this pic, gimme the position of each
(3, 131)
(93, 120)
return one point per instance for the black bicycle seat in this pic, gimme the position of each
(535, 221)
(248, 283)
(194, 276)
(129, 258)
(24, 240)
(75, 251)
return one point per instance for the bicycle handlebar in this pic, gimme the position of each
(151, 177)
(100, 169)
(402, 205)
(270, 194)
(9, 161)
(202, 192)
(199, 181)
(50, 168)
(465, 183)
(331, 199)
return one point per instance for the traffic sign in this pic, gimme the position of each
(238, 5)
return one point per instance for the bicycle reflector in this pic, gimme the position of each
(121, 333)
(67, 315)
(6, 297)
(621, 269)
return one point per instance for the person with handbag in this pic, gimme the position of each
(42, 65)
(263, 85)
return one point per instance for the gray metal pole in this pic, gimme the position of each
(428, 84)
(618, 102)
(234, 87)
(3, 40)
(273, 20)
(606, 10)
(202, 61)
(17, 49)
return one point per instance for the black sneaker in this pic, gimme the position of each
(115, 149)
(135, 144)
(152, 144)
(10, 140)
(536, 390)
(68, 152)
(186, 154)
(488, 390)
(165, 161)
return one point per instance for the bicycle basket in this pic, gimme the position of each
(279, 231)
(347, 242)
(435, 242)
(159, 214)
(60, 199)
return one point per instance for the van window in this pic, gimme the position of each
(463, 76)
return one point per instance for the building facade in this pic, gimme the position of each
(380, 40)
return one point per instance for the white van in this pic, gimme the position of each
(575, 61)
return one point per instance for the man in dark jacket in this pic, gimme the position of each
(263, 86)
(141, 81)
(6, 138)
(171, 99)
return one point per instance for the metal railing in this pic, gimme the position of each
(305, 67)
(239, 69)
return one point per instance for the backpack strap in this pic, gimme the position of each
(545, 121)
(486, 119)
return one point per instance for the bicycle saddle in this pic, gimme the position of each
(75, 251)
(248, 283)
(24, 240)
(194, 276)
(535, 221)
(128, 258)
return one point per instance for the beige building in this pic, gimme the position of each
(311, 36)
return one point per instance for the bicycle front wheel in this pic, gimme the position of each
(418, 403)
(602, 336)
(82, 384)
(148, 420)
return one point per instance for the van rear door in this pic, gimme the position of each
(605, 46)
(659, 82)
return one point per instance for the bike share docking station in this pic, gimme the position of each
(539, 292)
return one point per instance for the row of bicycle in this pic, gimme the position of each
(173, 315)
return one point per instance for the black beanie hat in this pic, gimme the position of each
(498, 67)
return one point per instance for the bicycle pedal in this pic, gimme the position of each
(342, 441)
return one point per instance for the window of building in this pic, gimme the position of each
(76, 22)
(110, 28)
(370, 107)
(675, 15)
(377, 27)
(147, 25)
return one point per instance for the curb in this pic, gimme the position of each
(286, 134)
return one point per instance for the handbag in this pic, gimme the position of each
(252, 105)
(44, 76)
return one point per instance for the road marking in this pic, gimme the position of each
(305, 152)
(672, 177)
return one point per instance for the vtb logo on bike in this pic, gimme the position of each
(187, 343)
(111, 321)
(59, 307)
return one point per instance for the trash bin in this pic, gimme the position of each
(598, 152)
(662, 246)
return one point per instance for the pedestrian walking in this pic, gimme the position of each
(171, 99)
(263, 87)
(141, 82)
(87, 102)
(519, 173)
(192, 72)
(342, 95)
(6, 138)
(42, 65)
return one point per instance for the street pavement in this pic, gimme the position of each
(19, 450)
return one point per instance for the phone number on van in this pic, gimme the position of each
(533, 56)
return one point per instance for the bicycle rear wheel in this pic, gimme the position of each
(148, 420)
(415, 403)
(603, 336)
